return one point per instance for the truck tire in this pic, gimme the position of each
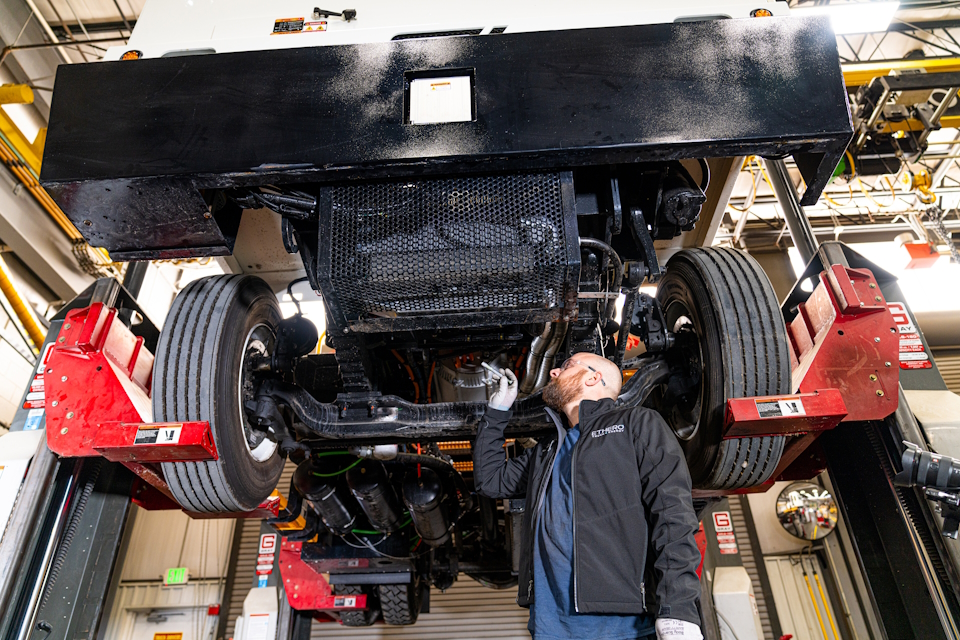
(400, 603)
(727, 319)
(213, 325)
(363, 618)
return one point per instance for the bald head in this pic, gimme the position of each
(610, 373)
(583, 376)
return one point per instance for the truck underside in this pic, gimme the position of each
(503, 239)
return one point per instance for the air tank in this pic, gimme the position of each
(422, 495)
(370, 485)
(328, 493)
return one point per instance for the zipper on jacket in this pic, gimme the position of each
(536, 513)
(543, 485)
(573, 513)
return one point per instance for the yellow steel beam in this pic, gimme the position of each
(946, 122)
(19, 94)
(856, 74)
(21, 308)
(16, 94)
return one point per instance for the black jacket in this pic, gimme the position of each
(631, 489)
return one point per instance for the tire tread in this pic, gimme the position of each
(184, 368)
(756, 361)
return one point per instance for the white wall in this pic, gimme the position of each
(772, 536)
(15, 374)
(164, 280)
(162, 540)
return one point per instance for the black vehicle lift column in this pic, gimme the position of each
(911, 579)
(64, 534)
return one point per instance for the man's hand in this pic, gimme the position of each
(506, 393)
(670, 629)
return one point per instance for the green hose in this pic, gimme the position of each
(376, 533)
(336, 473)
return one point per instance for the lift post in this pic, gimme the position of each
(56, 578)
(909, 572)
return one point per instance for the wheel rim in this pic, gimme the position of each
(258, 345)
(683, 393)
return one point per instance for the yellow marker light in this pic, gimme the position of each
(133, 54)
(761, 13)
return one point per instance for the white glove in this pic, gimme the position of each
(506, 393)
(671, 629)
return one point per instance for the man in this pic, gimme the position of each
(611, 487)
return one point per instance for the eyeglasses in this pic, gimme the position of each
(569, 362)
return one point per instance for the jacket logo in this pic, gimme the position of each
(617, 428)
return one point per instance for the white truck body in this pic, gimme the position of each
(190, 27)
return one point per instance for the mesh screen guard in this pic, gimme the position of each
(446, 253)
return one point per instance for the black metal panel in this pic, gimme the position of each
(544, 100)
(129, 216)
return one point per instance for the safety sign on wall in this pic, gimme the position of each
(912, 353)
(726, 539)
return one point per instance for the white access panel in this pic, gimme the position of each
(258, 621)
(736, 605)
(438, 100)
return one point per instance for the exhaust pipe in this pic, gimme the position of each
(535, 358)
(550, 356)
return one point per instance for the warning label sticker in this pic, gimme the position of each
(34, 420)
(345, 601)
(146, 436)
(912, 352)
(150, 434)
(780, 408)
(312, 27)
(35, 397)
(287, 25)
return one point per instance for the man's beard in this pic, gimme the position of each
(558, 394)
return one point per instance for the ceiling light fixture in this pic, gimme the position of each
(854, 17)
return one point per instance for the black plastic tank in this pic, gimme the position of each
(329, 493)
(422, 494)
(370, 485)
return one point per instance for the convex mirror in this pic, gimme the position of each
(806, 510)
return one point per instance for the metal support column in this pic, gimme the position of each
(799, 225)
(58, 552)
(911, 581)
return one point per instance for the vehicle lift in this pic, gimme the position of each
(102, 450)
